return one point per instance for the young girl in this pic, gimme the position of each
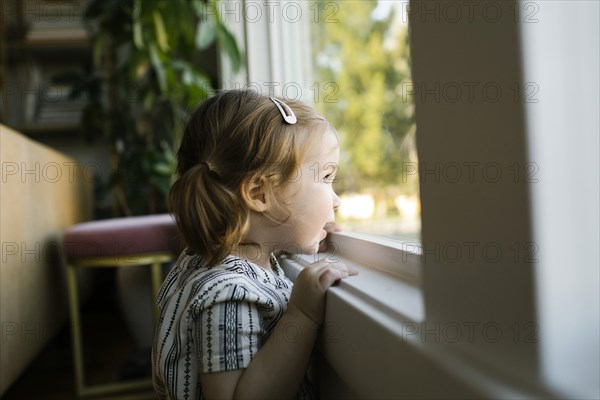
(255, 179)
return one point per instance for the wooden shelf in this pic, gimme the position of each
(67, 43)
(33, 129)
(43, 43)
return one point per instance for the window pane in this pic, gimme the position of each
(362, 78)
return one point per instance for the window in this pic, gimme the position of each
(362, 84)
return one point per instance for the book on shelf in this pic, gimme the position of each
(21, 92)
(57, 106)
(54, 20)
(56, 35)
(34, 99)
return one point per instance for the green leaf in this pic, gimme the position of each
(195, 95)
(162, 168)
(175, 92)
(148, 100)
(190, 75)
(187, 26)
(158, 67)
(229, 45)
(199, 6)
(169, 155)
(161, 34)
(138, 38)
(98, 48)
(206, 32)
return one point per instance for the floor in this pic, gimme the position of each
(110, 355)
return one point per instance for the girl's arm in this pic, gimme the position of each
(279, 367)
(277, 370)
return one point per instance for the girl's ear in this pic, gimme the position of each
(255, 193)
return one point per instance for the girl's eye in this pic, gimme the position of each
(329, 178)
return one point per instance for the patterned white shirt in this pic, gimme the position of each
(215, 319)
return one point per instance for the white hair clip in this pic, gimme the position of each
(288, 114)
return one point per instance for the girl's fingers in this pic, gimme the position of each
(333, 272)
(318, 268)
(323, 264)
(340, 265)
(332, 227)
(327, 271)
(331, 275)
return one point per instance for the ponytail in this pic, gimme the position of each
(210, 215)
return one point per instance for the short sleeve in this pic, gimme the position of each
(229, 330)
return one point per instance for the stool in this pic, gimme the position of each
(120, 242)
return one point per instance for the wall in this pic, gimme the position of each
(561, 53)
(42, 193)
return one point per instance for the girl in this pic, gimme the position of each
(254, 179)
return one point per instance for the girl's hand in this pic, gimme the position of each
(329, 228)
(310, 288)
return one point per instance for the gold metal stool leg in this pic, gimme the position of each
(73, 288)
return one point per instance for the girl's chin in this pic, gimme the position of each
(312, 248)
(309, 248)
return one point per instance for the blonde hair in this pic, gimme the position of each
(232, 137)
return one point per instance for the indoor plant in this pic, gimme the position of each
(145, 79)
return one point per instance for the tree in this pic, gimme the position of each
(368, 60)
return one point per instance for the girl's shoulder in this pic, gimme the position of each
(196, 286)
(192, 269)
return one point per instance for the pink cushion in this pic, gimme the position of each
(120, 237)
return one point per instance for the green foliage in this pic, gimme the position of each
(144, 83)
(368, 60)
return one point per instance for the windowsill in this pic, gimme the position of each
(399, 258)
(371, 344)
(395, 295)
